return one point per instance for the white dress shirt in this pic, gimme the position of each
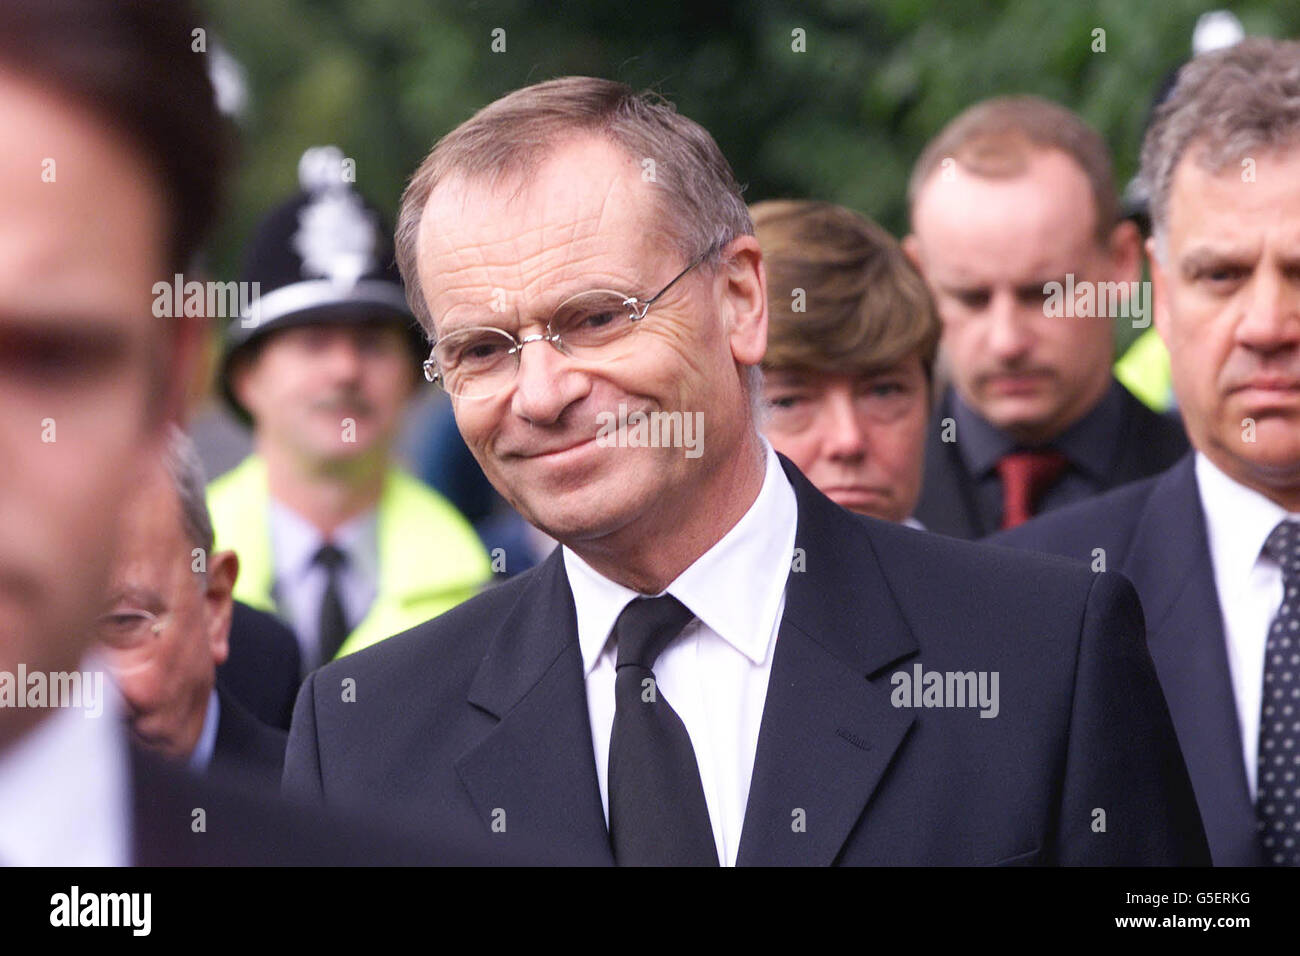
(300, 581)
(65, 789)
(715, 673)
(1238, 520)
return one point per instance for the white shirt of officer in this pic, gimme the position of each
(300, 581)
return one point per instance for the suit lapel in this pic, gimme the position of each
(828, 732)
(1169, 563)
(534, 771)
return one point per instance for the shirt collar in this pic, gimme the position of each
(1238, 520)
(735, 588)
(295, 541)
(979, 444)
(1089, 443)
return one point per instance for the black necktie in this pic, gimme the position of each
(657, 812)
(333, 622)
(1277, 784)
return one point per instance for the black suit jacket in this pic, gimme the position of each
(247, 747)
(264, 667)
(240, 828)
(1153, 532)
(479, 717)
(1146, 443)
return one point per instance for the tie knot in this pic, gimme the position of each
(329, 557)
(646, 626)
(1033, 469)
(1026, 475)
(1283, 545)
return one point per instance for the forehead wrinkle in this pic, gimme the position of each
(563, 234)
(547, 288)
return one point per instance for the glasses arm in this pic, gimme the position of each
(641, 307)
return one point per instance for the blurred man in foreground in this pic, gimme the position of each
(1212, 543)
(851, 340)
(1013, 196)
(113, 153)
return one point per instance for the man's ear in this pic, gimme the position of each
(744, 298)
(182, 369)
(912, 249)
(1159, 291)
(223, 570)
(241, 376)
(1125, 252)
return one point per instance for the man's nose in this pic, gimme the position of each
(546, 383)
(1271, 321)
(1010, 334)
(343, 358)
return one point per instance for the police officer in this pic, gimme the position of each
(343, 545)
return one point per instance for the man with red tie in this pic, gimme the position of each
(1212, 544)
(1015, 226)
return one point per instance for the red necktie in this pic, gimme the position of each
(1025, 476)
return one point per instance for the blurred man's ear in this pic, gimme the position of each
(183, 367)
(205, 366)
(223, 570)
(912, 249)
(241, 374)
(1125, 252)
(1159, 291)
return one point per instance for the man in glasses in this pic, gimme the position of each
(166, 628)
(717, 665)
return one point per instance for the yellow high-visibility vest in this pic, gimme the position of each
(430, 559)
(1144, 370)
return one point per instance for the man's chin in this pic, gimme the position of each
(1272, 452)
(155, 741)
(586, 513)
(575, 521)
(1023, 416)
(335, 450)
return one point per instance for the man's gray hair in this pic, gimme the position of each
(186, 472)
(699, 201)
(1227, 106)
